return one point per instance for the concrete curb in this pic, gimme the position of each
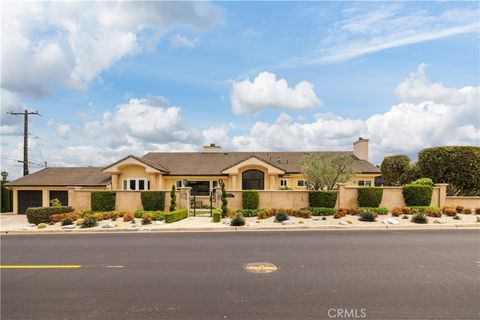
(254, 229)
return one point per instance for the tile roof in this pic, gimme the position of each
(65, 176)
(211, 163)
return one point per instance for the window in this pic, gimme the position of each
(283, 182)
(365, 183)
(214, 184)
(179, 184)
(136, 184)
(301, 183)
(252, 180)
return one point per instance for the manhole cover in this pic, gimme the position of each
(260, 267)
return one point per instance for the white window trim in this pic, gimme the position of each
(137, 184)
(301, 180)
(366, 183)
(283, 183)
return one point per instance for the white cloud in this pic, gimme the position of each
(92, 130)
(265, 91)
(62, 130)
(365, 29)
(428, 115)
(179, 40)
(70, 43)
(10, 124)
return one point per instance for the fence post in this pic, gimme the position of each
(442, 193)
(184, 198)
(341, 195)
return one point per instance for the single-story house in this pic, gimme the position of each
(202, 171)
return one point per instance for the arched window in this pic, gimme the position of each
(252, 180)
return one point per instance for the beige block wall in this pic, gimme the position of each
(128, 201)
(467, 202)
(272, 199)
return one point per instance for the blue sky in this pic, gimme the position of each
(112, 79)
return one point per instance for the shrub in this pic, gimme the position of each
(249, 212)
(128, 216)
(324, 218)
(38, 215)
(457, 165)
(267, 213)
(103, 200)
(396, 212)
(55, 203)
(417, 194)
(73, 215)
(281, 216)
(405, 216)
(457, 217)
(369, 197)
(381, 211)
(67, 221)
(354, 211)
(419, 218)
(54, 218)
(224, 201)
(477, 210)
(173, 199)
(424, 182)
(107, 215)
(85, 212)
(250, 199)
(432, 212)
(158, 216)
(98, 216)
(79, 222)
(89, 223)
(405, 210)
(459, 209)
(139, 214)
(153, 200)
(323, 211)
(237, 221)
(217, 215)
(450, 212)
(146, 219)
(175, 216)
(467, 211)
(368, 216)
(322, 199)
(42, 225)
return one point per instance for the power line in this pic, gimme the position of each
(25, 114)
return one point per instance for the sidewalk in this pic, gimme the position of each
(17, 224)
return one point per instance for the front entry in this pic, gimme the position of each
(253, 180)
(28, 199)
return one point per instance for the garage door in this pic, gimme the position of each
(60, 195)
(29, 198)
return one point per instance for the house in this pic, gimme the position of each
(202, 171)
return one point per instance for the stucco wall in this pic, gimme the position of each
(467, 202)
(273, 199)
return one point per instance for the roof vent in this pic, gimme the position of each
(212, 148)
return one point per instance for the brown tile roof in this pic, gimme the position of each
(143, 160)
(205, 163)
(65, 176)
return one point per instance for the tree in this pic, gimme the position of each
(457, 165)
(325, 171)
(224, 201)
(393, 168)
(173, 199)
(6, 194)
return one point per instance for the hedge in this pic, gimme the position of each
(153, 200)
(103, 201)
(423, 209)
(417, 194)
(322, 199)
(380, 211)
(393, 169)
(369, 197)
(250, 199)
(177, 215)
(217, 215)
(38, 215)
(319, 211)
(6, 198)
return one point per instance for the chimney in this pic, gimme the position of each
(212, 148)
(360, 149)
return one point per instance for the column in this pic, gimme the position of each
(272, 183)
(45, 198)
(234, 182)
(341, 195)
(15, 201)
(184, 198)
(153, 181)
(442, 193)
(114, 181)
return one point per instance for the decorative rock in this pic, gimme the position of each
(316, 219)
(159, 222)
(108, 226)
(288, 222)
(343, 223)
(70, 226)
(31, 225)
(441, 221)
(226, 221)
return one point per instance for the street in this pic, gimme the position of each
(374, 274)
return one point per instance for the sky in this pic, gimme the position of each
(116, 78)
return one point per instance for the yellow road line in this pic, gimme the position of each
(42, 267)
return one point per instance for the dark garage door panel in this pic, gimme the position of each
(29, 198)
(60, 195)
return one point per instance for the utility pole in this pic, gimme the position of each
(25, 114)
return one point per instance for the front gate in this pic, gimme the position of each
(202, 201)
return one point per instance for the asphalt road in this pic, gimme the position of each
(379, 275)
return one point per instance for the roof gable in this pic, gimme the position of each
(253, 160)
(150, 166)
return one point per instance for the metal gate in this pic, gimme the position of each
(202, 201)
